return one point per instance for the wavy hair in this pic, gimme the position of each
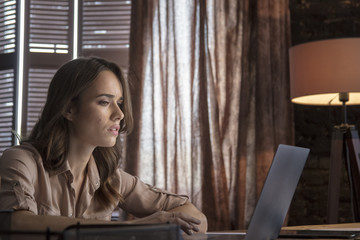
(50, 135)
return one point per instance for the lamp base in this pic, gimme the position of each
(345, 144)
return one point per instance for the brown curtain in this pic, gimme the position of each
(210, 92)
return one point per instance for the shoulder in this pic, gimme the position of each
(123, 181)
(23, 148)
(23, 156)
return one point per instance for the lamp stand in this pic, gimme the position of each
(344, 145)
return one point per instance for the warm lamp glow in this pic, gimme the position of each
(320, 70)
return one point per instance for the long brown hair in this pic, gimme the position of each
(50, 135)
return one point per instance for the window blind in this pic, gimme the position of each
(105, 24)
(7, 26)
(49, 26)
(39, 80)
(49, 43)
(6, 108)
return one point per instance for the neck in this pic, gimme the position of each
(78, 157)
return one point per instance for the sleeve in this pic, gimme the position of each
(142, 199)
(17, 169)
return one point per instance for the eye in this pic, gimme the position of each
(104, 103)
(120, 105)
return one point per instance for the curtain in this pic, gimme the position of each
(210, 93)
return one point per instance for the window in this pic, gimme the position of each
(54, 33)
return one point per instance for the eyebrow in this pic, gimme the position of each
(109, 96)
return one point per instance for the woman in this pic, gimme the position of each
(66, 171)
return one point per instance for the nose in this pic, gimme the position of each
(117, 114)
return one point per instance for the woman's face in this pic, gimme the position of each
(95, 120)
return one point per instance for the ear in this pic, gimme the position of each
(69, 112)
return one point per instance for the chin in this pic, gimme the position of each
(108, 145)
(108, 141)
(112, 144)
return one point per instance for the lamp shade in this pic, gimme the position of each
(320, 70)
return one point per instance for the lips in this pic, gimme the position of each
(114, 129)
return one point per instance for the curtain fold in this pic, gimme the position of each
(210, 91)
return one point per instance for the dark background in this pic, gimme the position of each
(317, 20)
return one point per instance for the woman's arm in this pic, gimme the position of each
(151, 204)
(187, 216)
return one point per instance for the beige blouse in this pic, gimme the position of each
(26, 185)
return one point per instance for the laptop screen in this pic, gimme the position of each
(277, 192)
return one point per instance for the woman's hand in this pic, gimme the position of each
(189, 209)
(187, 223)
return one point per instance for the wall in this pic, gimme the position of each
(316, 20)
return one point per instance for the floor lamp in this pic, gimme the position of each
(327, 73)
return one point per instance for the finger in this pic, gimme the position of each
(195, 228)
(187, 227)
(187, 218)
(188, 232)
(187, 222)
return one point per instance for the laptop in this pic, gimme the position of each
(276, 196)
